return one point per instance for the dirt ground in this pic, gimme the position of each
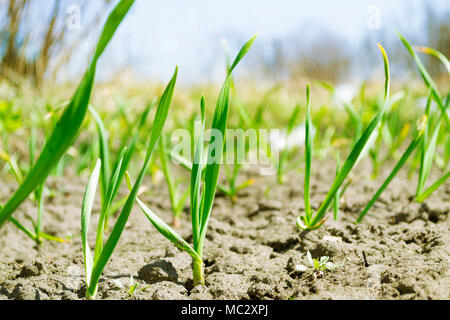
(400, 251)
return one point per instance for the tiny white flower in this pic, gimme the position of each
(301, 267)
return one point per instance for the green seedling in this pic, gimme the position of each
(133, 287)
(435, 53)
(202, 191)
(322, 264)
(309, 221)
(337, 196)
(427, 153)
(37, 235)
(232, 187)
(68, 126)
(428, 147)
(94, 265)
(385, 138)
(104, 153)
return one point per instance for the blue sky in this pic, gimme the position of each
(157, 35)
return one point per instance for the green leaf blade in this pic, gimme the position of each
(86, 209)
(67, 128)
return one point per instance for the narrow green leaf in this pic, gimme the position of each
(245, 48)
(423, 152)
(337, 196)
(104, 152)
(196, 177)
(219, 124)
(425, 75)
(32, 146)
(293, 119)
(162, 227)
(435, 53)
(113, 22)
(413, 145)
(428, 155)
(160, 119)
(67, 128)
(40, 203)
(112, 185)
(308, 156)
(129, 153)
(357, 149)
(428, 159)
(86, 209)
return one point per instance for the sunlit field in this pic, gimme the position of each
(251, 187)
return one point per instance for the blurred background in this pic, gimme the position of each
(334, 41)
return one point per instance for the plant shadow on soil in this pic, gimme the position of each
(400, 251)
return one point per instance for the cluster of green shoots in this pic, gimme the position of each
(103, 250)
(204, 179)
(424, 140)
(319, 265)
(202, 189)
(231, 187)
